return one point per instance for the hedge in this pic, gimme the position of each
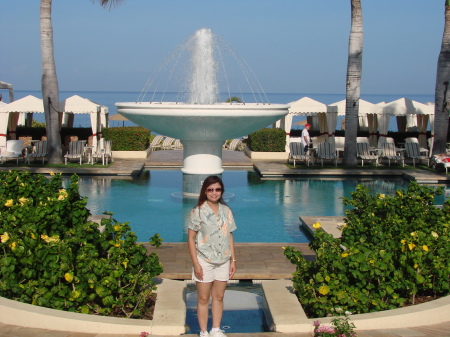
(267, 140)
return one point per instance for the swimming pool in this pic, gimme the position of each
(264, 210)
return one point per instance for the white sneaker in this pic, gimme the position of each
(218, 333)
(203, 334)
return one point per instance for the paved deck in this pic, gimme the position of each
(255, 260)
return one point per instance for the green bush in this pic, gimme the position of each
(396, 248)
(267, 140)
(52, 256)
(130, 138)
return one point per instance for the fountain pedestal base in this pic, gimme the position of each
(202, 157)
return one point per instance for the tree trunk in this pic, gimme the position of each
(353, 87)
(441, 100)
(50, 91)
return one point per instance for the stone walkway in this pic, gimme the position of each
(255, 260)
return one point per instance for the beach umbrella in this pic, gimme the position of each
(118, 117)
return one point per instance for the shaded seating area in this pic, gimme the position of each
(413, 152)
(389, 152)
(13, 150)
(39, 151)
(296, 153)
(326, 151)
(363, 153)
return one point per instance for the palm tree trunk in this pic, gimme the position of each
(441, 100)
(353, 87)
(50, 91)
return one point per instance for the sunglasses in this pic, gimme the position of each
(210, 190)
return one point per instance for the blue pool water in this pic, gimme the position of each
(264, 210)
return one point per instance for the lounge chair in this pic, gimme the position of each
(177, 144)
(39, 151)
(413, 152)
(389, 152)
(415, 140)
(167, 143)
(297, 153)
(235, 145)
(156, 142)
(76, 151)
(14, 149)
(103, 151)
(363, 153)
(325, 151)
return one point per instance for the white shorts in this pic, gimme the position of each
(213, 271)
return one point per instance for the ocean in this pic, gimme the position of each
(109, 98)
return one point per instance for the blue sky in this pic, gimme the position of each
(293, 46)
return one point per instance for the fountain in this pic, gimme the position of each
(202, 124)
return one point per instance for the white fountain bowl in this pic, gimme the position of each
(202, 122)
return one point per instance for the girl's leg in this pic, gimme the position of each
(203, 296)
(217, 292)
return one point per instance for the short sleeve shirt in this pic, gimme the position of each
(213, 232)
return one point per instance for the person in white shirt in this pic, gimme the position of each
(306, 139)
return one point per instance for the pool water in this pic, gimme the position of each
(243, 309)
(264, 210)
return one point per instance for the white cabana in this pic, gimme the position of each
(9, 115)
(79, 105)
(307, 107)
(408, 107)
(364, 109)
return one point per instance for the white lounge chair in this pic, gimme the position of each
(235, 145)
(413, 152)
(389, 152)
(297, 152)
(167, 143)
(14, 149)
(103, 151)
(76, 151)
(363, 153)
(325, 151)
(39, 151)
(156, 142)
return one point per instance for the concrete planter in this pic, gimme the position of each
(131, 154)
(266, 155)
(168, 319)
(285, 313)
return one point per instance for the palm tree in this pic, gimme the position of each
(442, 105)
(50, 91)
(353, 87)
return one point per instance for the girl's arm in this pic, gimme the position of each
(198, 271)
(233, 256)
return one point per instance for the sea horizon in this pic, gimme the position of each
(109, 98)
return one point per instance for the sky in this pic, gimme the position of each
(292, 46)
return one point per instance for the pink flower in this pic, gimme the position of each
(326, 329)
(316, 323)
(144, 334)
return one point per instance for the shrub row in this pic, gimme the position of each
(131, 138)
(267, 140)
(396, 248)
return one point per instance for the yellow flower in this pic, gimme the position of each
(434, 234)
(382, 196)
(411, 246)
(33, 236)
(23, 201)
(52, 173)
(344, 254)
(284, 248)
(425, 248)
(68, 277)
(62, 194)
(317, 225)
(372, 261)
(416, 266)
(48, 239)
(116, 228)
(13, 245)
(22, 184)
(413, 234)
(324, 290)
(9, 203)
(4, 237)
(403, 241)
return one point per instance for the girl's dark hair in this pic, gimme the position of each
(207, 182)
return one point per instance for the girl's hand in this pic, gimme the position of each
(198, 271)
(232, 268)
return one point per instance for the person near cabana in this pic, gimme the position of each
(306, 139)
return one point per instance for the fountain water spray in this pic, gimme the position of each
(202, 125)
